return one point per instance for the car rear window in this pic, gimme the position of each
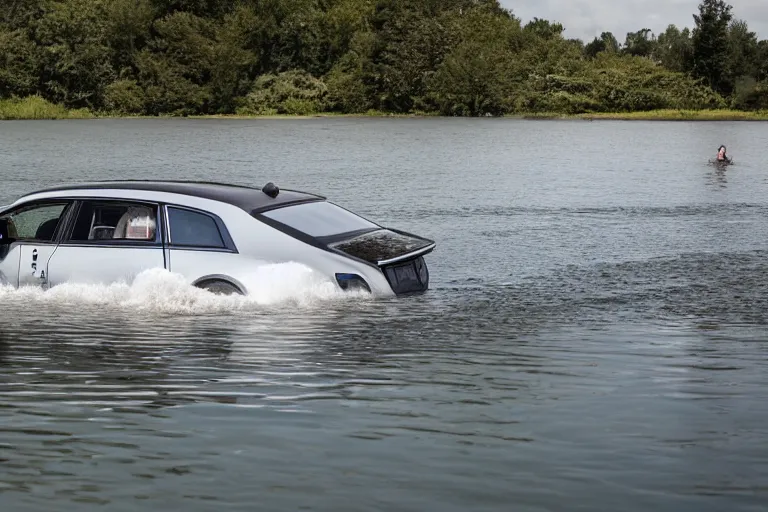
(192, 229)
(319, 219)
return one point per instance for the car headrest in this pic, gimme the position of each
(46, 230)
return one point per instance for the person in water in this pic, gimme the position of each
(721, 155)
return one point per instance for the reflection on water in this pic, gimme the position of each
(718, 177)
(594, 338)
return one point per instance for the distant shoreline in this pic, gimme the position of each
(652, 115)
(39, 109)
(602, 116)
(710, 116)
(661, 115)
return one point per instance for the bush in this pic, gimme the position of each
(166, 89)
(612, 83)
(750, 95)
(19, 64)
(35, 107)
(124, 97)
(292, 92)
(347, 92)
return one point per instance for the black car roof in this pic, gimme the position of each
(250, 199)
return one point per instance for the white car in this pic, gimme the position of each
(215, 235)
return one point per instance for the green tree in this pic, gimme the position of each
(21, 13)
(287, 35)
(175, 69)
(640, 44)
(339, 25)
(607, 42)
(711, 44)
(350, 80)
(20, 64)
(742, 51)
(674, 49)
(128, 31)
(471, 81)
(75, 52)
(201, 8)
(408, 60)
(544, 28)
(233, 64)
(479, 74)
(761, 68)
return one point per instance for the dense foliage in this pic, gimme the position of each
(454, 57)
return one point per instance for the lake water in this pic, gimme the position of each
(595, 336)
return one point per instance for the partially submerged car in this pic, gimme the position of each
(215, 235)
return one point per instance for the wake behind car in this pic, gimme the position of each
(213, 234)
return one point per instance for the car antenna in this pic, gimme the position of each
(271, 190)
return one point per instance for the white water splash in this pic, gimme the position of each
(160, 291)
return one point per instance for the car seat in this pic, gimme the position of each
(47, 229)
(143, 214)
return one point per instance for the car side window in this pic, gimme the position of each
(35, 222)
(115, 221)
(193, 229)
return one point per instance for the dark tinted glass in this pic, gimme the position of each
(193, 229)
(319, 219)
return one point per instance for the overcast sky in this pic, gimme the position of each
(586, 19)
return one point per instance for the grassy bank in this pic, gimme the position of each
(681, 115)
(370, 113)
(658, 115)
(35, 107)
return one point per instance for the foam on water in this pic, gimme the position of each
(157, 290)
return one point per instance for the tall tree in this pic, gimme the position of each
(674, 49)
(19, 13)
(128, 29)
(742, 58)
(761, 71)
(607, 42)
(76, 56)
(711, 44)
(640, 43)
(545, 28)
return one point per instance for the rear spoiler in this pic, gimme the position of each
(421, 252)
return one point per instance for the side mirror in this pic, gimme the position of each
(5, 238)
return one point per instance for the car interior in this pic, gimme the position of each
(45, 231)
(8, 233)
(115, 222)
(8, 230)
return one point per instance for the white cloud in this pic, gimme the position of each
(586, 19)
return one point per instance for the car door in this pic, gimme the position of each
(34, 229)
(199, 244)
(108, 241)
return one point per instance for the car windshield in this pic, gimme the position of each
(319, 219)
